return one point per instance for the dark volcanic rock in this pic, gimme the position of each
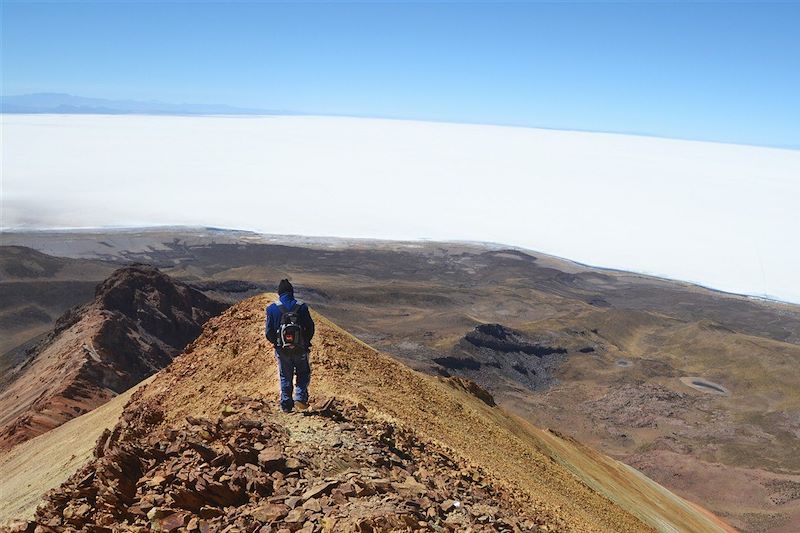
(502, 339)
(641, 405)
(458, 363)
(492, 352)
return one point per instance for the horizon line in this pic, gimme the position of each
(258, 112)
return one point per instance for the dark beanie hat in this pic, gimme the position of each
(284, 286)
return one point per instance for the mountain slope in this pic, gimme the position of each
(35, 289)
(544, 478)
(32, 468)
(138, 321)
(419, 302)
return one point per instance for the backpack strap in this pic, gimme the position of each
(296, 307)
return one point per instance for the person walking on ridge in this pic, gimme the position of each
(289, 328)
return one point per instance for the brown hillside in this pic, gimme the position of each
(139, 320)
(632, 398)
(558, 481)
(30, 469)
(36, 289)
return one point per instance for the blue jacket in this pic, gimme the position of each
(273, 321)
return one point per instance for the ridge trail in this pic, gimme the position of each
(427, 437)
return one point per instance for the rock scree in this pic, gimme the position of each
(255, 469)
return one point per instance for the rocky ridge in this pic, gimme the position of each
(252, 469)
(203, 447)
(138, 321)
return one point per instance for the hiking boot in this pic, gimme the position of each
(301, 406)
(286, 410)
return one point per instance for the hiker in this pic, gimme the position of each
(290, 330)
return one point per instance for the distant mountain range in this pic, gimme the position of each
(75, 105)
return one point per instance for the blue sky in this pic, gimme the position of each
(712, 71)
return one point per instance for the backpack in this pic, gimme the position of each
(290, 333)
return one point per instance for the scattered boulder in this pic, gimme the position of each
(271, 459)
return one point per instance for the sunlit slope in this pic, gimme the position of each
(628, 487)
(31, 468)
(232, 356)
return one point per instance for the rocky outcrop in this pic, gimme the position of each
(493, 353)
(502, 339)
(458, 363)
(138, 321)
(248, 470)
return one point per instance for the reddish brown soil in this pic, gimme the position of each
(139, 320)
